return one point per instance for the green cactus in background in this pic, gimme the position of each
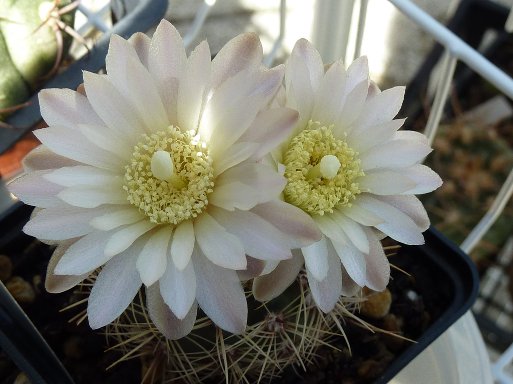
(31, 45)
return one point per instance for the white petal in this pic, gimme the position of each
(253, 269)
(93, 196)
(107, 140)
(141, 43)
(381, 108)
(62, 223)
(41, 158)
(259, 238)
(352, 106)
(125, 237)
(234, 195)
(316, 259)
(425, 178)
(273, 284)
(411, 206)
(194, 85)
(330, 228)
(178, 288)
(330, 96)
(182, 244)
(378, 267)
(135, 83)
(85, 255)
(166, 322)
(220, 294)
(304, 52)
(299, 92)
(219, 246)
(80, 175)
(397, 224)
(353, 261)
(242, 52)
(114, 289)
(353, 230)
(67, 108)
(34, 189)
(234, 155)
(368, 137)
(112, 107)
(327, 292)
(152, 261)
(60, 283)
(349, 287)
(361, 215)
(357, 72)
(116, 218)
(290, 220)
(394, 154)
(385, 182)
(75, 146)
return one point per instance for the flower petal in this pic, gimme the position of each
(166, 322)
(368, 137)
(394, 154)
(385, 182)
(178, 288)
(107, 140)
(253, 269)
(331, 95)
(114, 288)
(425, 178)
(361, 215)
(93, 196)
(273, 284)
(141, 44)
(411, 206)
(304, 52)
(80, 175)
(357, 72)
(381, 108)
(60, 283)
(235, 155)
(152, 261)
(353, 261)
(34, 189)
(327, 292)
(125, 237)
(378, 267)
(234, 195)
(331, 228)
(116, 218)
(220, 294)
(354, 231)
(219, 246)
(182, 244)
(242, 52)
(316, 259)
(41, 158)
(260, 239)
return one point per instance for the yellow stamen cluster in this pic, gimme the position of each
(170, 201)
(310, 190)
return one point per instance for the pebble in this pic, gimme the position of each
(21, 290)
(376, 304)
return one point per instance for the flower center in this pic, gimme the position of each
(321, 171)
(169, 176)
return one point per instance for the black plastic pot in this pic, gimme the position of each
(439, 267)
(140, 18)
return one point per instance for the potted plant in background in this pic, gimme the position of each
(249, 202)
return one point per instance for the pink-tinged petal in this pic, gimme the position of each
(107, 140)
(351, 108)
(135, 83)
(235, 155)
(411, 206)
(114, 289)
(112, 107)
(316, 259)
(62, 223)
(425, 178)
(141, 44)
(117, 217)
(381, 108)
(234, 106)
(234, 195)
(253, 269)
(353, 230)
(75, 146)
(166, 322)
(242, 52)
(80, 175)
(178, 288)
(397, 225)
(260, 239)
(327, 292)
(182, 244)
(66, 108)
(152, 261)
(60, 283)
(219, 246)
(299, 92)
(330, 228)
(93, 196)
(373, 89)
(378, 267)
(292, 221)
(193, 89)
(361, 215)
(34, 189)
(41, 158)
(331, 95)
(125, 237)
(220, 294)
(394, 154)
(357, 72)
(304, 52)
(353, 261)
(269, 129)
(85, 255)
(385, 182)
(273, 284)
(349, 287)
(368, 137)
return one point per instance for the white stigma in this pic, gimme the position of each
(162, 165)
(329, 166)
